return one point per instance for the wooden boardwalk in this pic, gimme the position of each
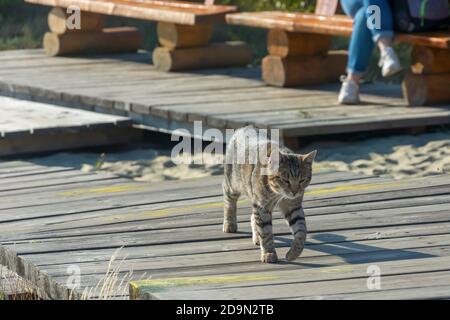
(55, 219)
(27, 126)
(128, 85)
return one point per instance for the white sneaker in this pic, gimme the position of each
(349, 93)
(389, 62)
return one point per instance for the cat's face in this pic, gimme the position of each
(293, 174)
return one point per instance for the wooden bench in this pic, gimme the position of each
(184, 31)
(299, 52)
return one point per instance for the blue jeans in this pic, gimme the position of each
(363, 39)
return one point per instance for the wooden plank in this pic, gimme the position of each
(226, 98)
(312, 116)
(78, 240)
(207, 214)
(338, 25)
(165, 11)
(294, 22)
(320, 256)
(168, 266)
(315, 245)
(353, 221)
(92, 278)
(114, 196)
(125, 187)
(365, 125)
(41, 116)
(425, 280)
(434, 39)
(104, 197)
(346, 246)
(141, 227)
(436, 292)
(27, 127)
(29, 172)
(36, 65)
(200, 212)
(56, 181)
(311, 274)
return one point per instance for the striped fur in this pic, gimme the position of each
(283, 189)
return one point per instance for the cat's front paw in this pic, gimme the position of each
(229, 227)
(269, 257)
(293, 254)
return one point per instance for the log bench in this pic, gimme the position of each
(184, 31)
(299, 52)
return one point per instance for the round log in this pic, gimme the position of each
(57, 21)
(426, 60)
(217, 55)
(174, 36)
(288, 44)
(305, 70)
(109, 40)
(426, 89)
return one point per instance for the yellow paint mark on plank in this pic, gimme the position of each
(356, 187)
(168, 211)
(210, 205)
(161, 284)
(218, 204)
(342, 188)
(319, 191)
(103, 190)
(340, 269)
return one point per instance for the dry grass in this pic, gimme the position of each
(112, 285)
(13, 287)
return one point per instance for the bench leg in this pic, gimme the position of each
(426, 89)
(429, 80)
(58, 18)
(188, 48)
(305, 70)
(109, 40)
(175, 36)
(301, 59)
(91, 37)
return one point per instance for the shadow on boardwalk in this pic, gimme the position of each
(352, 252)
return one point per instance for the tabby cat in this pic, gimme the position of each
(283, 187)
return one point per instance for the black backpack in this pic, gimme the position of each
(420, 15)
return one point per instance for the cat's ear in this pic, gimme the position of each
(308, 158)
(273, 162)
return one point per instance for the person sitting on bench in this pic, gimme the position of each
(363, 41)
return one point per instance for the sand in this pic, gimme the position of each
(396, 156)
(141, 164)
